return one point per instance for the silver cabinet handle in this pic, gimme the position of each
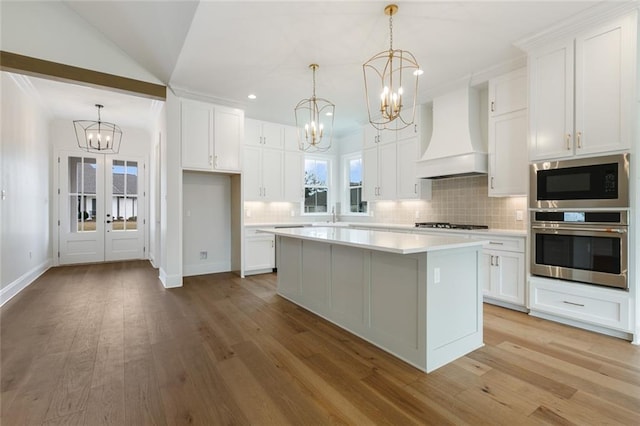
(579, 139)
(497, 260)
(495, 243)
(493, 106)
(415, 128)
(582, 228)
(211, 160)
(568, 137)
(492, 182)
(572, 303)
(415, 188)
(492, 260)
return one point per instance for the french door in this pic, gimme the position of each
(101, 213)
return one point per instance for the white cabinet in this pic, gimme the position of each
(504, 268)
(581, 92)
(580, 302)
(373, 136)
(409, 187)
(262, 133)
(379, 171)
(293, 176)
(508, 93)
(211, 136)
(259, 252)
(263, 174)
(508, 161)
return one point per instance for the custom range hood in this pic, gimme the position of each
(456, 147)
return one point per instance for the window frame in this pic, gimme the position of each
(330, 189)
(346, 188)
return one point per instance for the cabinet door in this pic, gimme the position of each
(370, 136)
(603, 88)
(387, 171)
(195, 134)
(508, 93)
(407, 157)
(508, 277)
(551, 107)
(370, 174)
(252, 132)
(228, 133)
(508, 164)
(259, 253)
(252, 174)
(290, 135)
(293, 176)
(272, 135)
(272, 175)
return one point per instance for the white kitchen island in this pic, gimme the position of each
(418, 297)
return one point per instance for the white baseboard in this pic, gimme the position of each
(23, 282)
(586, 326)
(206, 268)
(170, 281)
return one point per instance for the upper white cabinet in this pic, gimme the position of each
(293, 176)
(389, 163)
(263, 174)
(211, 136)
(581, 92)
(409, 187)
(262, 133)
(379, 172)
(507, 145)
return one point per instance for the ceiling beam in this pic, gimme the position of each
(12, 62)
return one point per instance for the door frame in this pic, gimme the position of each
(55, 215)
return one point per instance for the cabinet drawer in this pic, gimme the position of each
(606, 310)
(501, 243)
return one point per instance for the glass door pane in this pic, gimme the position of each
(124, 199)
(82, 194)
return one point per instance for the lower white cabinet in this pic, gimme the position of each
(584, 303)
(504, 280)
(259, 253)
(504, 263)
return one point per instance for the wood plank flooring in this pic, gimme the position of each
(107, 344)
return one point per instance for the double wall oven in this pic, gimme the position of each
(579, 220)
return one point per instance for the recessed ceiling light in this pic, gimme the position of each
(251, 96)
(418, 72)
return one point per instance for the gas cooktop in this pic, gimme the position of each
(447, 225)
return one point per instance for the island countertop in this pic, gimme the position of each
(392, 242)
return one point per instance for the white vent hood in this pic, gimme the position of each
(456, 147)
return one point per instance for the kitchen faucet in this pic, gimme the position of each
(333, 214)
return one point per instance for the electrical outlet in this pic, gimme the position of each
(293, 213)
(203, 255)
(417, 215)
(371, 213)
(248, 213)
(519, 215)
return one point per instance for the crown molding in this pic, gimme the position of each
(595, 15)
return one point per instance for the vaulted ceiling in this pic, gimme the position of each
(224, 50)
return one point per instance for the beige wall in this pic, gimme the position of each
(457, 200)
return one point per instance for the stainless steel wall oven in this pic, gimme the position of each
(584, 246)
(585, 183)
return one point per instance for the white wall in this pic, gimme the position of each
(50, 30)
(25, 170)
(206, 220)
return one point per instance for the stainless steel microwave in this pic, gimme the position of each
(580, 183)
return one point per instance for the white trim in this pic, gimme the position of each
(170, 281)
(23, 282)
(585, 326)
(345, 192)
(206, 268)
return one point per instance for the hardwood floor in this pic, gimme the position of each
(106, 344)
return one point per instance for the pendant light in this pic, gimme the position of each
(99, 137)
(314, 121)
(391, 84)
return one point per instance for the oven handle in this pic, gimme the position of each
(577, 228)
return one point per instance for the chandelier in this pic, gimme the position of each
(98, 136)
(314, 121)
(390, 79)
